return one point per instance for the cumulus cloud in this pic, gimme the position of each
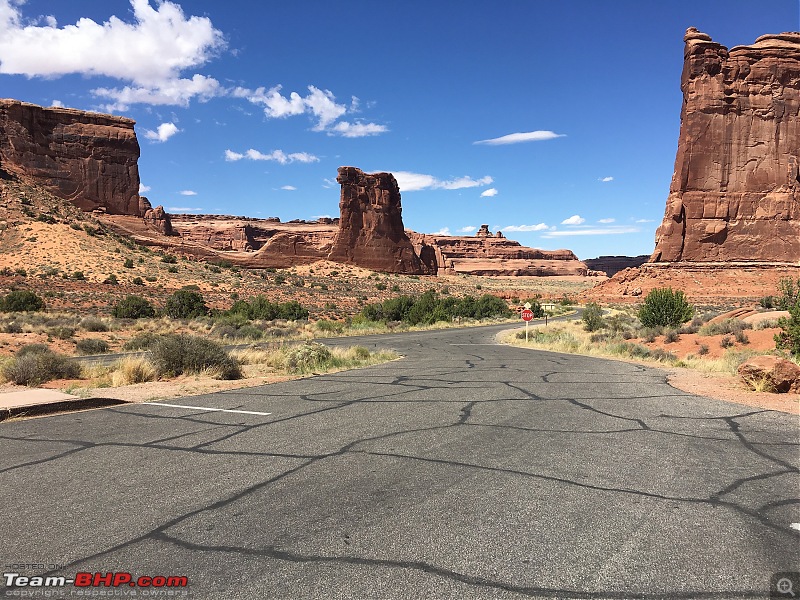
(614, 230)
(537, 227)
(150, 52)
(606, 179)
(412, 182)
(442, 231)
(183, 209)
(144, 188)
(278, 156)
(518, 138)
(468, 229)
(289, 188)
(644, 221)
(606, 221)
(57, 104)
(163, 133)
(188, 193)
(320, 104)
(574, 220)
(489, 193)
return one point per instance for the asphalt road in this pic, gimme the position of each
(465, 470)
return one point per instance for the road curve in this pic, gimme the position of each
(465, 470)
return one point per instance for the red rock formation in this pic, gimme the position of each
(486, 254)
(735, 194)
(371, 233)
(87, 158)
(157, 218)
(611, 265)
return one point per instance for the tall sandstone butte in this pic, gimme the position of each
(371, 233)
(734, 195)
(89, 159)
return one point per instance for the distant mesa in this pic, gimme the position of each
(90, 160)
(736, 188)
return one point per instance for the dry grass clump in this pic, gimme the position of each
(132, 370)
(36, 364)
(311, 357)
(174, 355)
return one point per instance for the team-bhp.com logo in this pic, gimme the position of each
(95, 580)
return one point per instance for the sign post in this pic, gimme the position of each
(527, 316)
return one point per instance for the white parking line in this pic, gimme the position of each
(227, 410)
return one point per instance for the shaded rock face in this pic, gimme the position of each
(735, 193)
(89, 159)
(611, 265)
(156, 218)
(371, 233)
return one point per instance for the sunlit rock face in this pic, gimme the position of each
(735, 191)
(89, 159)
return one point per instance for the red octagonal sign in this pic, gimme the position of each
(527, 315)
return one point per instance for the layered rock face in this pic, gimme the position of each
(371, 233)
(89, 159)
(491, 254)
(735, 193)
(611, 265)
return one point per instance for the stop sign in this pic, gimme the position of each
(527, 315)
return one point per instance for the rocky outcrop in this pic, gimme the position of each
(779, 375)
(611, 265)
(735, 193)
(89, 159)
(371, 233)
(158, 219)
(489, 254)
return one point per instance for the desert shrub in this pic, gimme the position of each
(360, 352)
(34, 367)
(728, 326)
(702, 350)
(741, 337)
(141, 341)
(169, 259)
(600, 337)
(292, 311)
(664, 307)
(111, 280)
(133, 307)
(662, 355)
(726, 341)
(91, 346)
(767, 302)
(380, 286)
(329, 326)
(649, 334)
(137, 281)
(671, 336)
(789, 293)
(185, 304)
(307, 357)
(61, 333)
(132, 370)
(430, 308)
(32, 349)
(618, 322)
(21, 301)
(93, 324)
(79, 276)
(592, 317)
(12, 327)
(128, 264)
(173, 355)
(789, 337)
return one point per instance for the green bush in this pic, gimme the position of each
(93, 324)
(185, 304)
(789, 337)
(91, 346)
(430, 308)
(35, 366)
(307, 357)
(173, 355)
(789, 293)
(133, 307)
(665, 308)
(21, 301)
(141, 341)
(61, 332)
(592, 317)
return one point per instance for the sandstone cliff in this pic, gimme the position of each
(735, 192)
(371, 233)
(89, 159)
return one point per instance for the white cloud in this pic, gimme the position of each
(359, 129)
(278, 156)
(574, 220)
(150, 52)
(188, 193)
(144, 188)
(606, 179)
(322, 217)
(606, 221)
(412, 182)
(183, 209)
(517, 138)
(489, 193)
(644, 221)
(163, 133)
(442, 231)
(329, 183)
(615, 230)
(537, 227)
(289, 188)
(57, 104)
(467, 229)
(320, 104)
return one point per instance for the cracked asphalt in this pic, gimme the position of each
(465, 470)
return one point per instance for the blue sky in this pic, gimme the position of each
(555, 122)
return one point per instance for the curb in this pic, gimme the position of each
(39, 410)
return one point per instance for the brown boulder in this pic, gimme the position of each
(89, 159)
(783, 375)
(735, 193)
(371, 233)
(159, 220)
